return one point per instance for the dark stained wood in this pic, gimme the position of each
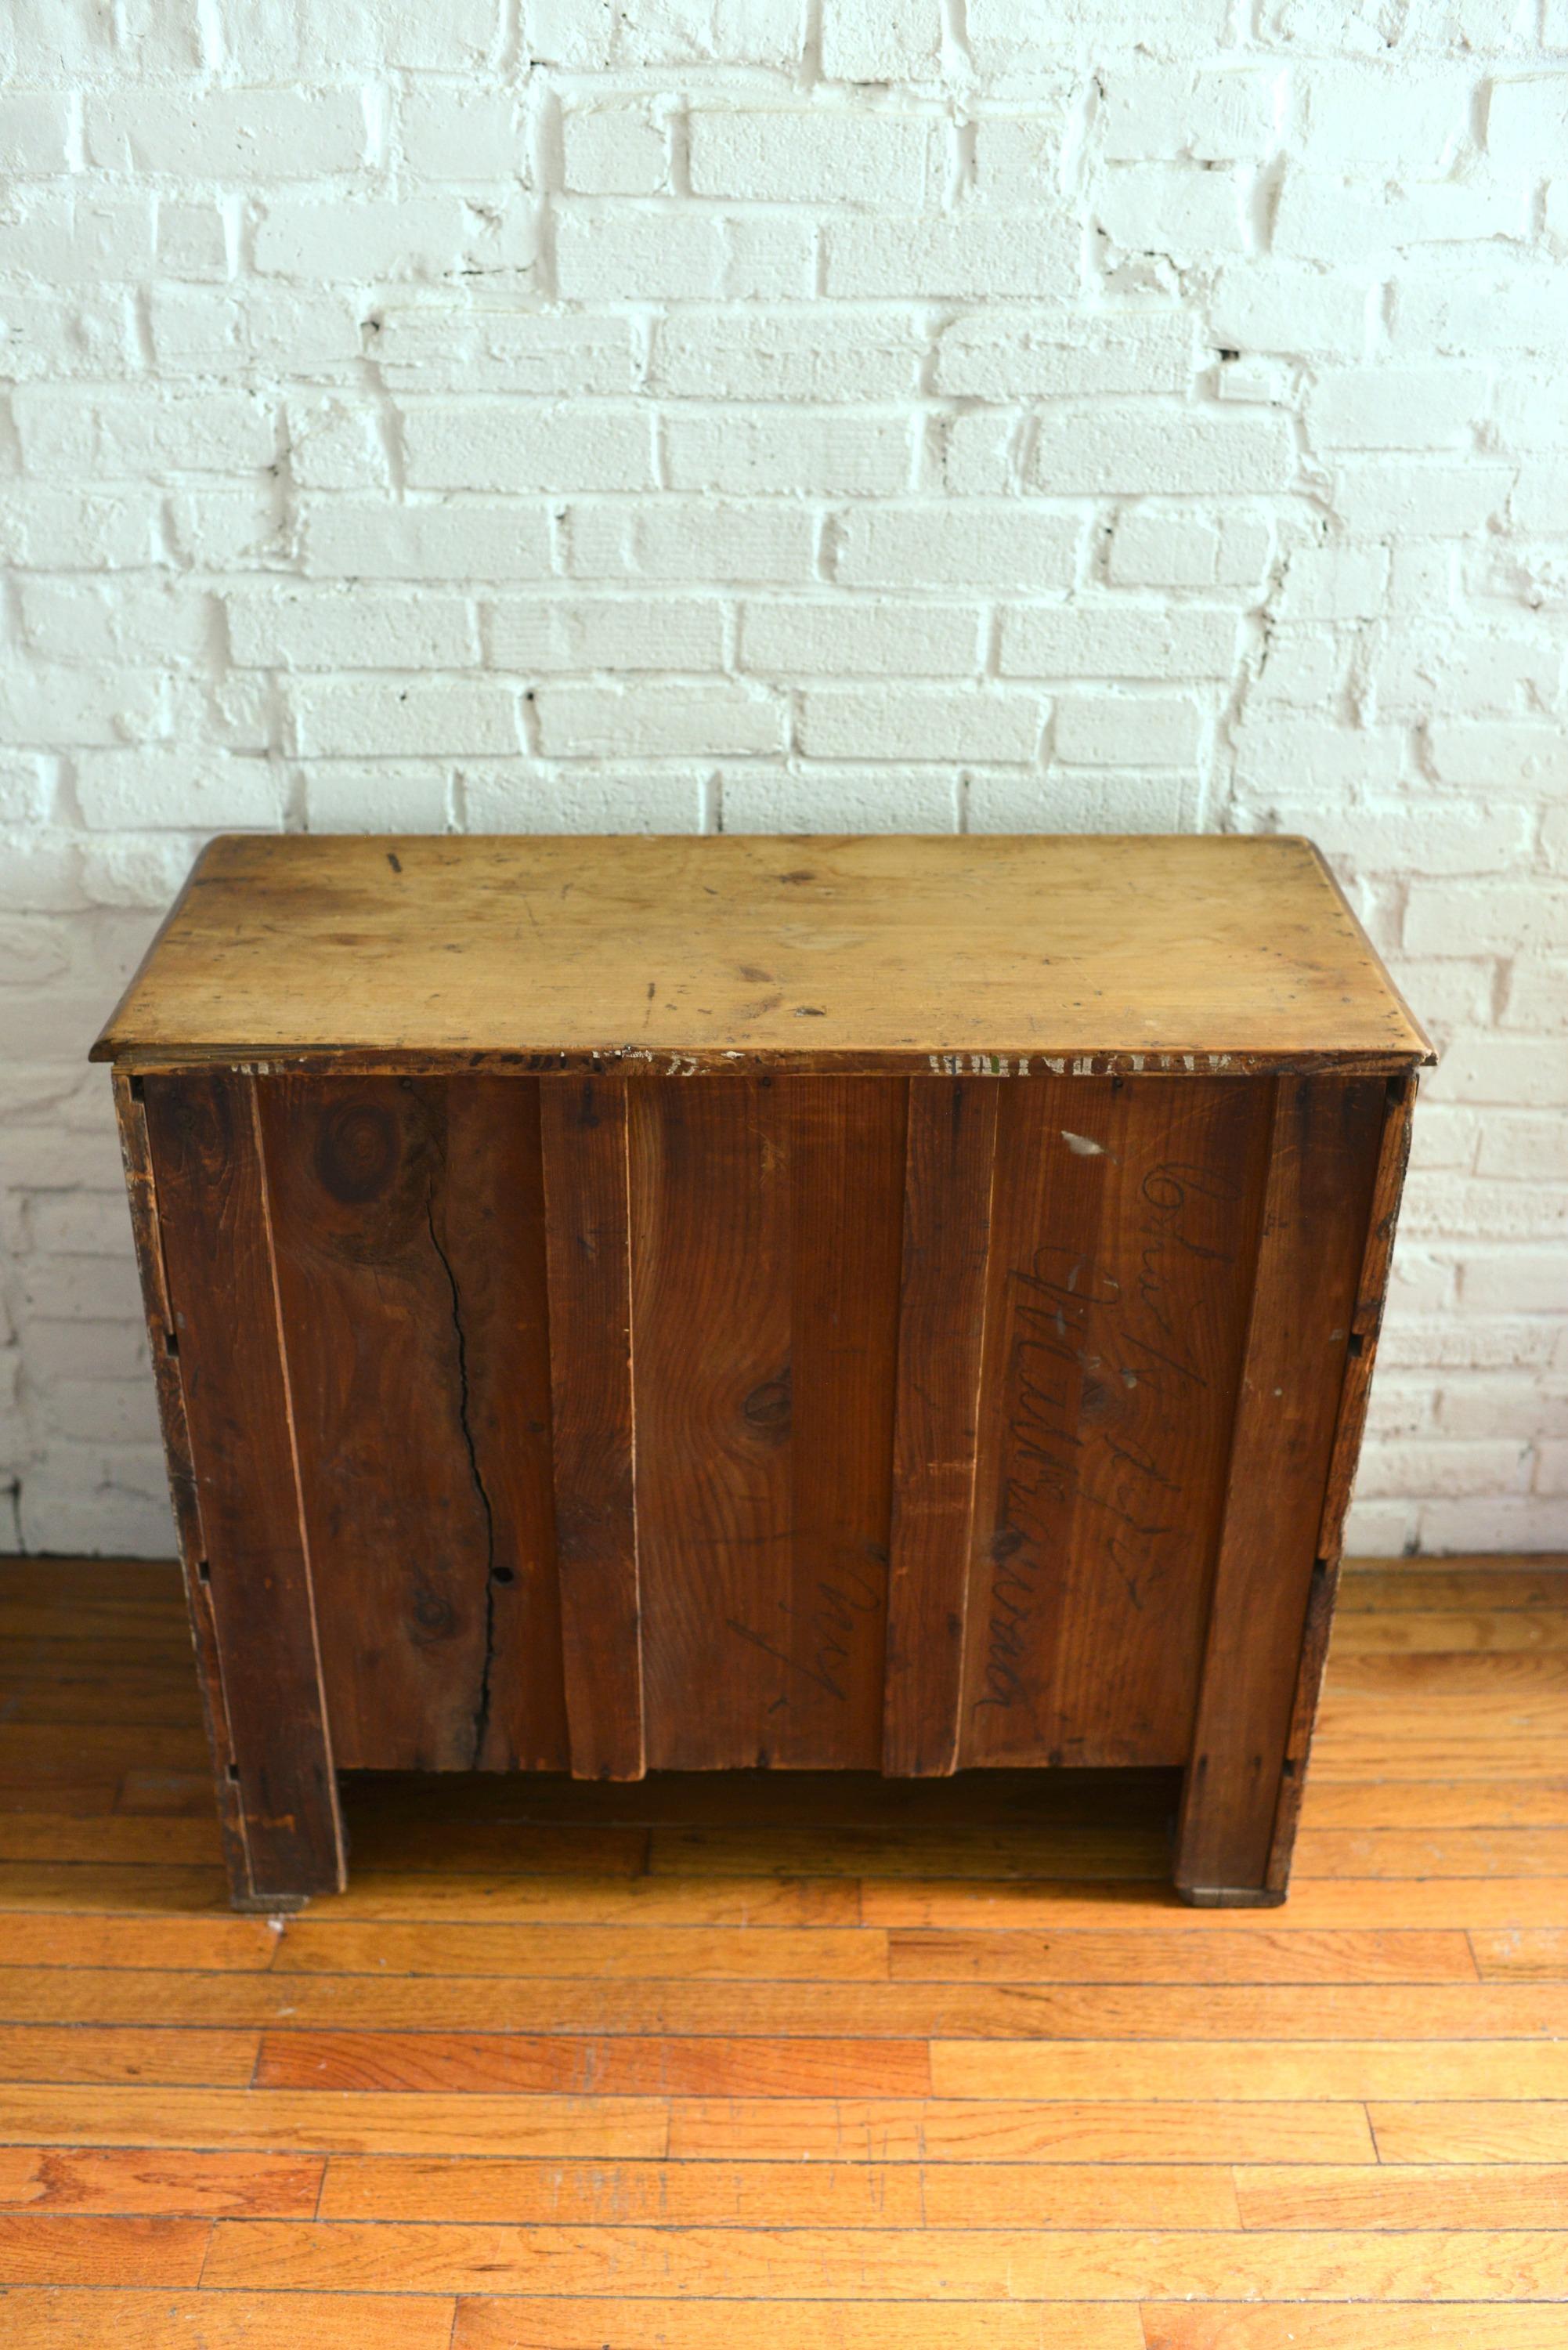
(1018, 954)
(213, 1219)
(1324, 1152)
(847, 1141)
(1121, 1251)
(765, 1253)
(712, 1392)
(941, 1335)
(141, 1193)
(1367, 1322)
(584, 1138)
(408, 1227)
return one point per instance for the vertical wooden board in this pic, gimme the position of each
(583, 1143)
(712, 1385)
(846, 1143)
(1119, 1282)
(490, 1217)
(141, 1191)
(400, 1525)
(947, 1232)
(1317, 1206)
(1367, 1322)
(217, 1255)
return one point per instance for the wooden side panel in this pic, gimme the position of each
(712, 1385)
(1393, 1157)
(217, 1255)
(947, 1227)
(583, 1131)
(1317, 1206)
(847, 1195)
(136, 1152)
(1120, 1262)
(409, 1218)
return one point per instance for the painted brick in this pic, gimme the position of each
(1108, 641)
(513, 445)
(615, 151)
(462, 134)
(605, 632)
(360, 718)
(1132, 445)
(800, 155)
(688, 539)
(365, 538)
(863, 638)
(440, 347)
(584, 721)
(740, 453)
(962, 544)
(987, 254)
(806, 352)
(328, 629)
(908, 723)
(228, 134)
(1112, 730)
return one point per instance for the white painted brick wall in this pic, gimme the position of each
(789, 413)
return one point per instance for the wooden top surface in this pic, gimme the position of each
(799, 952)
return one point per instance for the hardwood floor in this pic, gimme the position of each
(701, 2063)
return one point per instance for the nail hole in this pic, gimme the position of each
(203, 1570)
(171, 1342)
(233, 1770)
(503, 1575)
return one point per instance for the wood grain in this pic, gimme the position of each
(583, 1130)
(217, 1253)
(685, 951)
(1322, 1164)
(1121, 1247)
(941, 1335)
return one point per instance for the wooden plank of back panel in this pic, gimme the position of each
(394, 1508)
(216, 1251)
(583, 1143)
(711, 1385)
(846, 1139)
(1118, 1294)
(766, 1240)
(951, 1156)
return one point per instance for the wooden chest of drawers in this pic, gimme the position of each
(901, 1304)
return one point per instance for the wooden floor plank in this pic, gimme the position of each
(1152, 2069)
(1522, 1953)
(806, 2015)
(207, 1944)
(572, 2064)
(694, 2324)
(81, 2249)
(1472, 2129)
(956, 2130)
(121, 2179)
(894, 2264)
(1393, 2326)
(31, 2052)
(1261, 1953)
(575, 1953)
(1442, 2195)
(1388, 1904)
(322, 2121)
(53, 2319)
(786, 2194)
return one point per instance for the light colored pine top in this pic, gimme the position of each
(798, 951)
